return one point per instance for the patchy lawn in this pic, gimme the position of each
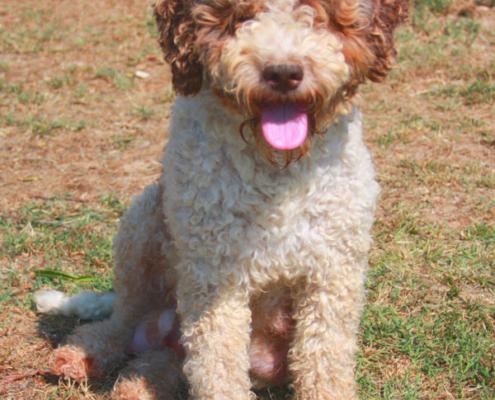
(81, 130)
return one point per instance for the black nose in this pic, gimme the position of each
(283, 77)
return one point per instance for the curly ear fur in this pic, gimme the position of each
(366, 30)
(387, 15)
(177, 36)
(367, 34)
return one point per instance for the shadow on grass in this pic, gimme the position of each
(56, 329)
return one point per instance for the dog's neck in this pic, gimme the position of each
(220, 132)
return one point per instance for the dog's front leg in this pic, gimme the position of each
(325, 341)
(215, 333)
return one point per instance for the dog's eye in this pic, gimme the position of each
(224, 15)
(244, 18)
(241, 14)
(241, 20)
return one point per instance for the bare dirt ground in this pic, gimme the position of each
(81, 128)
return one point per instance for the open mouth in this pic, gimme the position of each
(284, 125)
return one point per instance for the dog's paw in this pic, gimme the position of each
(132, 389)
(73, 362)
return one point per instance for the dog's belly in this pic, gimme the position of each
(271, 334)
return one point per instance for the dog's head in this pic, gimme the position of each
(289, 66)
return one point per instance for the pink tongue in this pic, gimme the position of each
(284, 126)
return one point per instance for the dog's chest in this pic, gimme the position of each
(219, 180)
(224, 202)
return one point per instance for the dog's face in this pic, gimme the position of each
(288, 66)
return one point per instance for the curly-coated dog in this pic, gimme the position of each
(257, 234)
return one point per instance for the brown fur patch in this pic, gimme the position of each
(387, 15)
(366, 33)
(177, 36)
(216, 22)
(192, 34)
(224, 15)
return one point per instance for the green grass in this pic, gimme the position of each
(436, 6)
(123, 142)
(60, 235)
(106, 72)
(417, 317)
(424, 314)
(145, 113)
(123, 82)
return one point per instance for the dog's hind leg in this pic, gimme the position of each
(143, 282)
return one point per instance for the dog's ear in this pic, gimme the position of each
(365, 28)
(387, 14)
(177, 35)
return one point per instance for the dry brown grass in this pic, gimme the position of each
(76, 122)
(97, 46)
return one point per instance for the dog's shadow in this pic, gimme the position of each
(55, 329)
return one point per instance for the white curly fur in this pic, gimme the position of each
(241, 225)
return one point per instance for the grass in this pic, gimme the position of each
(58, 230)
(80, 133)
(427, 312)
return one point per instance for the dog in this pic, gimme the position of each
(245, 264)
